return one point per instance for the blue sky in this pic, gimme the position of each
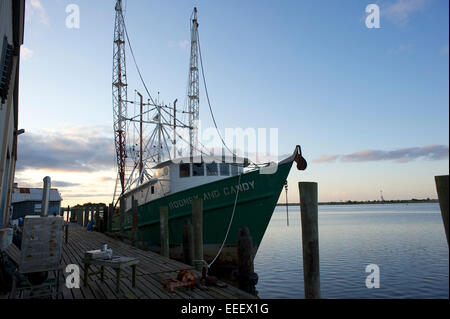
(311, 69)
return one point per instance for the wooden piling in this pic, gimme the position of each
(86, 215)
(97, 217)
(109, 217)
(66, 233)
(101, 220)
(122, 213)
(188, 242)
(164, 230)
(310, 238)
(68, 214)
(246, 276)
(80, 215)
(442, 191)
(134, 214)
(197, 223)
(245, 251)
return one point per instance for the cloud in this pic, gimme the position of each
(27, 182)
(182, 44)
(105, 179)
(25, 53)
(76, 149)
(400, 11)
(63, 184)
(34, 7)
(84, 195)
(326, 159)
(403, 155)
(400, 49)
(432, 152)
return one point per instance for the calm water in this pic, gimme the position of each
(406, 241)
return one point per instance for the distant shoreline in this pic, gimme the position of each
(350, 202)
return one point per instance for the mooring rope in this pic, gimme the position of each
(229, 225)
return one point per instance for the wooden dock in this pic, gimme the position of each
(151, 271)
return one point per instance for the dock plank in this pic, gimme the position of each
(151, 270)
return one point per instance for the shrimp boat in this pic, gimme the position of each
(225, 190)
(234, 192)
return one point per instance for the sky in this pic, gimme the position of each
(370, 107)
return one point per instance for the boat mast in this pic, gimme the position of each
(152, 135)
(119, 87)
(159, 132)
(141, 149)
(194, 99)
(175, 128)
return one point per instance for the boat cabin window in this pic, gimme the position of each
(198, 169)
(234, 169)
(224, 169)
(153, 190)
(211, 169)
(185, 170)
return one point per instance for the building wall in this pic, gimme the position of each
(23, 209)
(11, 26)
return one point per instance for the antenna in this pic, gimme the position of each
(119, 88)
(194, 99)
(175, 128)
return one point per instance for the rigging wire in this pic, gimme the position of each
(134, 59)
(207, 97)
(209, 104)
(204, 83)
(229, 225)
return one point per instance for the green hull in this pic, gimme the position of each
(257, 198)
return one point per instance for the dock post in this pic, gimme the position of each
(246, 275)
(100, 219)
(105, 217)
(97, 217)
(77, 214)
(122, 213)
(134, 214)
(442, 191)
(66, 233)
(197, 221)
(310, 238)
(68, 214)
(110, 217)
(188, 242)
(80, 216)
(164, 230)
(86, 215)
